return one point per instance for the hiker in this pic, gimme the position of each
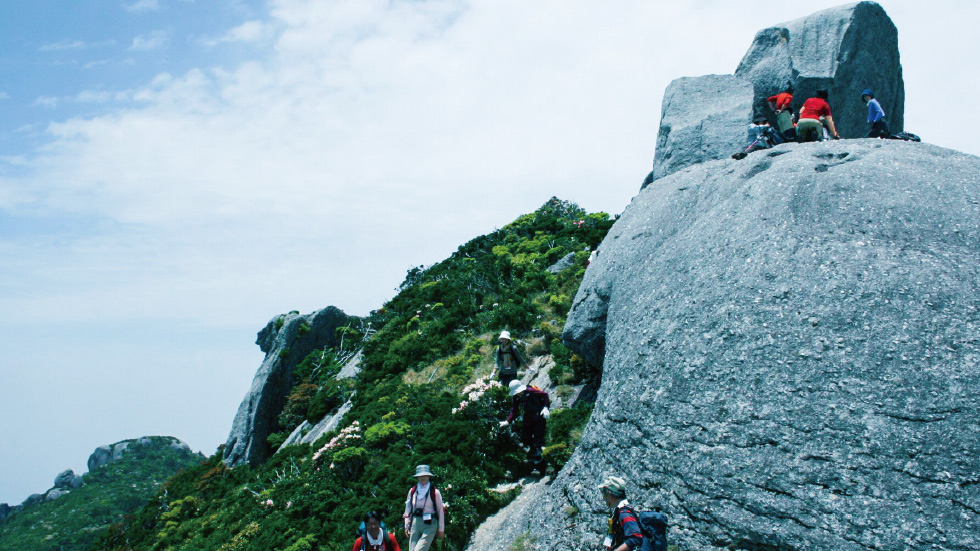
(624, 527)
(782, 104)
(810, 126)
(424, 518)
(508, 359)
(373, 536)
(531, 405)
(876, 116)
(760, 136)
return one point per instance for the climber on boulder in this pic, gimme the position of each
(810, 127)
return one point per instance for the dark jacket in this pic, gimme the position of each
(531, 401)
(626, 528)
(516, 359)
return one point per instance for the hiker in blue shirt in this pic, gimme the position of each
(876, 116)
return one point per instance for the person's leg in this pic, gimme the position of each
(426, 534)
(506, 378)
(784, 120)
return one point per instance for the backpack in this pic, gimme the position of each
(653, 524)
(907, 136)
(362, 533)
(432, 488)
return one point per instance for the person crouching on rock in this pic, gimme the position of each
(782, 105)
(876, 116)
(530, 404)
(810, 127)
(760, 136)
(424, 518)
(374, 537)
(624, 532)
(507, 358)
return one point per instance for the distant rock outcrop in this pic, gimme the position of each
(843, 50)
(286, 340)
(798, 333)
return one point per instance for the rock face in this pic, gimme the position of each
(101, 456)
(702, 118)
(798, 336)
(64, 479)
(843, 50)
(286, 341)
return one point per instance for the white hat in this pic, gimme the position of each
(516, 387)
(423, 470)
(504, 335)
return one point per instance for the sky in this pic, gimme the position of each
(176, 173)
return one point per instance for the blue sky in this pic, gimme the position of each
(175, 173)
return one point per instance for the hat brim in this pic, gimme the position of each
(517, 390)
(430, 475)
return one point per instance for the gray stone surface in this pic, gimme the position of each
(101, 456)
(54, 494)
(285, 345)
(119, 449)
(791, 353)
(64, 479)
(844, 50)
(512, 524)
(564, 262)
(702, 118)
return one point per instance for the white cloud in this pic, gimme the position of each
(250, 31)
(150, 41)
(142, 6)
(4, 95)
(64, 45)
(47, 102)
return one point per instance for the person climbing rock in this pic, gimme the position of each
(624, 533)
(810, 127)
(373, 535)
(531, 405)
(760, 136)
(424, 513)
(876, 116)
(782, 105)
(508, 359)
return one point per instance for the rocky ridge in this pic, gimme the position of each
(286, 340)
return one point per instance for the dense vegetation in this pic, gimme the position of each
(421, 397)
(75, 520)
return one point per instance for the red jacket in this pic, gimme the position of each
(814, 108)
(390, 545)
(782, 100)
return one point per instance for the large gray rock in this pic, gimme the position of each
(101, 456)
(64, 479)
(4, 511)
(286, 341)
(844, 50)
(792, 357)
(701, 118)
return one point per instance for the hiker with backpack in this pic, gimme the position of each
(760, 136)
(531, 405)
(782, 105)
(876, 116)
(507, 358)
(629, 529)
(814, 114)
(425, 517)
(373, 536)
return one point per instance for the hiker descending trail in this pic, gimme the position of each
(507, 359)
(531, 406)
(373, 536)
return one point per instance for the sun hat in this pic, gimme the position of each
(516, 387)
(423, 470)
(504, 335)
(614, 486)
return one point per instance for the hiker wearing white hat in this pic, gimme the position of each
(531, 405)
(424, 512)
(508, 359)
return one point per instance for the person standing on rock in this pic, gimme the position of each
(374, 537)
(531, 405)
(424, 518)
(624, 532)
(507, 358)
(876, 116)
(782, 104)
(810, 128)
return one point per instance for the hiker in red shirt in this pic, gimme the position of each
(374, 537)
(782, 104)
(810, 127)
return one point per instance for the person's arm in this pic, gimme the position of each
(393, 541)
(514, 410)
(631, 530)
(408, 512)
(442, 521)
(357, 545)
(830, 124)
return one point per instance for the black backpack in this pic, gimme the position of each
(653, 524)
(907, 136)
